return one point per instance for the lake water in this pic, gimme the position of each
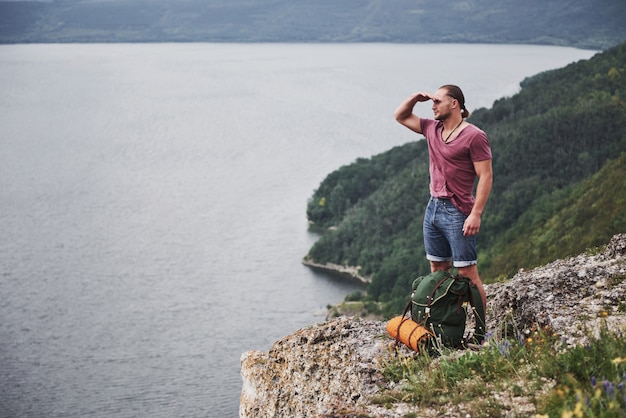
(153, 198)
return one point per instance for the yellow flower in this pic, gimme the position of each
(578, 411)
(597, 394)
(618, 360)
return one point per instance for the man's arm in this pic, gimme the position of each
(404, 112)
(483, 189)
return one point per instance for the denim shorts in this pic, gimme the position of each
(443, 234)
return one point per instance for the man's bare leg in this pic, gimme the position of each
(472, 273)
(440, 265)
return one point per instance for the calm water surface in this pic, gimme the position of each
(153, 197)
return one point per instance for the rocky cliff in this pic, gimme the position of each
(332, 369)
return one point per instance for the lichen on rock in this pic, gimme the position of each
(570, 296)
(333, 369)
(315, 370)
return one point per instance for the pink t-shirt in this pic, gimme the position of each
(452, 171)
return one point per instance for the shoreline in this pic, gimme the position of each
(350, 272)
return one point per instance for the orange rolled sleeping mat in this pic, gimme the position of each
(407, 331)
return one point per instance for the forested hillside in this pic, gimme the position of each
(597, 24)
(559, 184)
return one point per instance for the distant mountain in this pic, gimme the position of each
(596, 24)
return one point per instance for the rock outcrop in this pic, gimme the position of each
(315, 372)
(570, 296)
(332, 369)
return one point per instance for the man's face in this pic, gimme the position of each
(442, 104)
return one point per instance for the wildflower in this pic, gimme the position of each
(504, 348)
(578, 411)
(618, 360)
(597, 393)
(593, 381)
(609, 388)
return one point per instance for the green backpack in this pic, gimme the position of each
(437, 304)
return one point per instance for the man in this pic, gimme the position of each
(459, 152)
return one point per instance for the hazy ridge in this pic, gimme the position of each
(580, 23)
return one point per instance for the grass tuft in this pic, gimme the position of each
(535, 368)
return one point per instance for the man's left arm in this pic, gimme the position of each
(483, 189)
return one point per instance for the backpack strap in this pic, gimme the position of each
(413, 331)
(432, 296)
(404, 318)
(478, 309)
(409, 310)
